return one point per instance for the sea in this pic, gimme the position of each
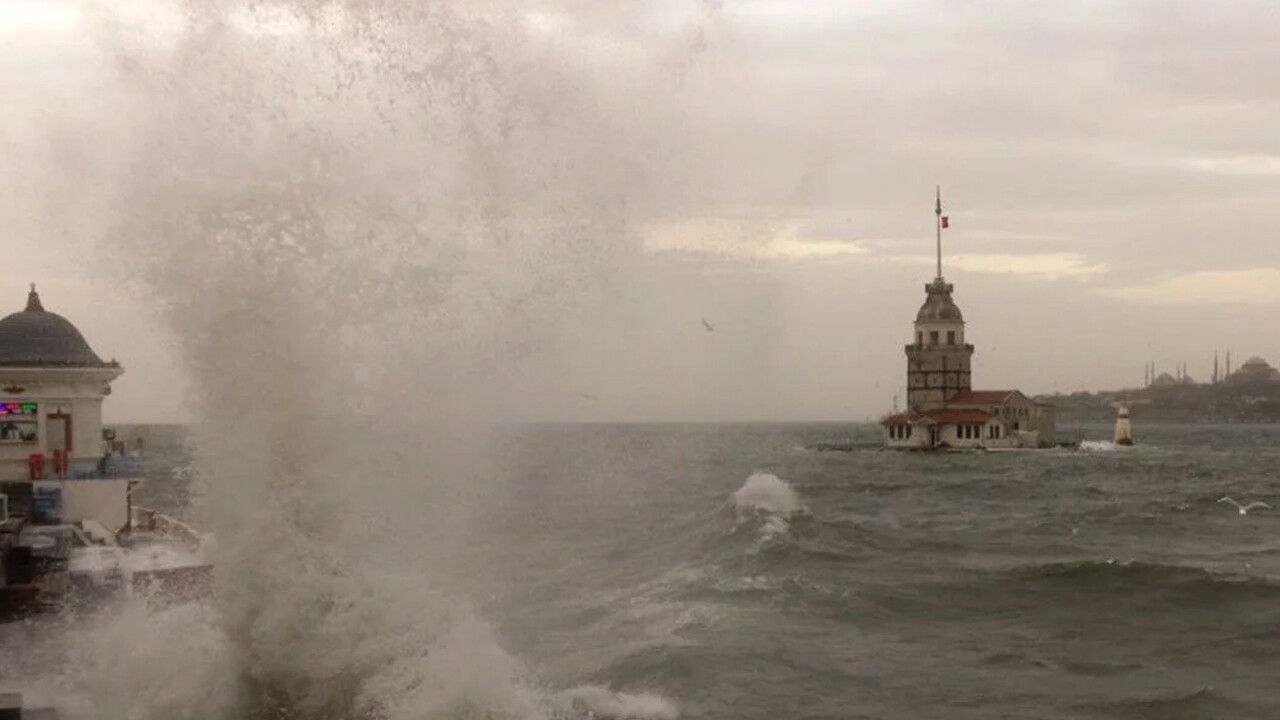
(737, 571)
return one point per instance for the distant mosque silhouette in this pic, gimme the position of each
(1255, 370)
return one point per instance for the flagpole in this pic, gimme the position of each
(938, 222)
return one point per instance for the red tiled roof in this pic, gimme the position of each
(942, 416)
(981, 397)
(957, 417)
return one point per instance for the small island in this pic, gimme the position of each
(944, 412)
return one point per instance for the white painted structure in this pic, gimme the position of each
(52, 387)
(1123, 434)
(68, 416)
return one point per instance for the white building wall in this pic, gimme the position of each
(77, 392)
(919, 438)
(88, 428)
(951, 436)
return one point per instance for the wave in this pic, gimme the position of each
(602, 702)
(1205, 702)
(350, 354)
(1090, 668)
(435, 659)
(1140, 575)
(766, 504)
(1129, 585)
(768, 493)
(1071, 593)
(767, 516)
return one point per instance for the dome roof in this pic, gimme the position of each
(938, 305)
(36, 337)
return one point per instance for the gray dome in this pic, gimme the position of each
(38, 338)
(939, 306)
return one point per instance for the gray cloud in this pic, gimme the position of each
(1134, 139)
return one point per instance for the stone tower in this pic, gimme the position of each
(938, 361)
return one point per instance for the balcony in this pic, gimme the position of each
(913, 347)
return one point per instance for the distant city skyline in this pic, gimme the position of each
(1109, 171)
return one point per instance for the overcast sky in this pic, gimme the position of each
(1110, 170)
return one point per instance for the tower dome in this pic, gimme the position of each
(36, 337)
(938, 305)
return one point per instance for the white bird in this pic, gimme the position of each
(708, 325)
(1244, 509)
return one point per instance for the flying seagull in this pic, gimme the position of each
(708, 325)
(1244, 509)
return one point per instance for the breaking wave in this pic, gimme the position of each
(367, 242)
(767, 503)
(1204, 702)
(768, 493)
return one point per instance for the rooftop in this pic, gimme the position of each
(938, 304)
(36, 337)
(942, 416)
(980, 397)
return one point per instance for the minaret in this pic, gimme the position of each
(938, 361)
(1215, 368)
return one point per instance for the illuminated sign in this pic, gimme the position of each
(18, 408)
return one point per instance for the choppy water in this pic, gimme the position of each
(729, 572)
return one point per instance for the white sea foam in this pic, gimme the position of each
(604, 702)
(767, 492)
(770, 501)
(364, 240)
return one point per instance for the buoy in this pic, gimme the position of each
(1124, 436)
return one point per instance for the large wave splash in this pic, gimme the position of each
(767, 492)
(365, 240)
(768, 499)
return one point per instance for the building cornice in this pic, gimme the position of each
(59, 374)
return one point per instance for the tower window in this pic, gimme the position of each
(919, 337)
(951, 337)
(933, 337)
